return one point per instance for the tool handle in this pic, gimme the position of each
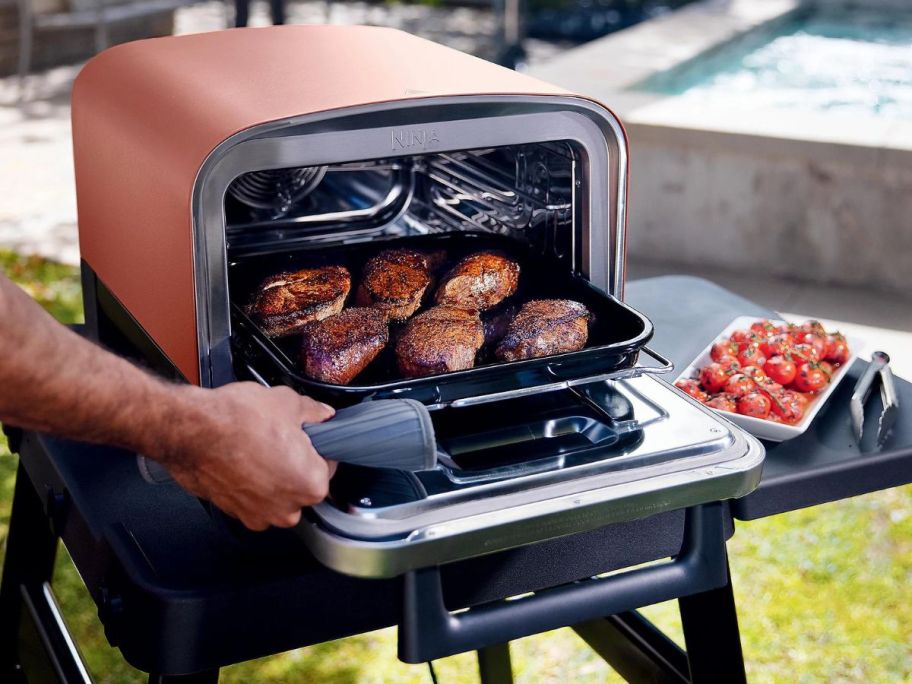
(386, 433)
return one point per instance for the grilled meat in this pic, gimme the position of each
(395, 280)
(287, 301)
(339, 347)
(439, 340)
(496, 323)
(544, 327)
(479, 281)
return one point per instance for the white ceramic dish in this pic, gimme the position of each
(767, 429)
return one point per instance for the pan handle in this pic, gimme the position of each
(429, 631)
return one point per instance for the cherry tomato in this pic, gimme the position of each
(804, 352)
(753, 372)
(739, 385)
(827, 368)
(788, 406)
(752, 356)
(767, 384)
(744, 338)
(810, 378)
(713, 378)
(837, 348)
(781, 369)
(816, 340)
(812, 326)
(764, 328)
(692, 387)
(723, 402)
(776, 345)
(755, 404)
(730, 364)
(722, 350)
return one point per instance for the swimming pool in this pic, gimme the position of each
(851, 61)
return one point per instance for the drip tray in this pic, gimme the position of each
(533, 468)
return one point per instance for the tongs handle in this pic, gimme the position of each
(862, 391)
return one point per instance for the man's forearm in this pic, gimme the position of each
(53, 380)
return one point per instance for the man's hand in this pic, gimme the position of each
(248, 454)
(239, 446)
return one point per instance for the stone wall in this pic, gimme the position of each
(66, 47)
(814, 211)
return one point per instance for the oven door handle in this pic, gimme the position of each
(622, 374)
(429, 631)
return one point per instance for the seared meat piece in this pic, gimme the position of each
(287, 301)
(395, 280)
(479, 281)
(339, 347)
(440, 340)
(496, 323)
(544, 327)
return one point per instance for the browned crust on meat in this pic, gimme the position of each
(337, 348)
(479, 281)
(285, 302)
(395, 281)
(544, 327)
(443, 339)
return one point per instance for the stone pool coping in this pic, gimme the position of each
(609, 69)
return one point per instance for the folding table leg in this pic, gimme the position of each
(494, 664)
(710, 622)
(29, 563)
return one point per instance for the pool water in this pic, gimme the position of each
(853, 61)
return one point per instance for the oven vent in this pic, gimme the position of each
(276, 190)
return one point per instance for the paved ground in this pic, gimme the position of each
(38, 205)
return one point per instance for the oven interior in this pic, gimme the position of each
(530, 193)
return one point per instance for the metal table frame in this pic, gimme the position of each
(51, 504)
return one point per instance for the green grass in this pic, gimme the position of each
(824, 593)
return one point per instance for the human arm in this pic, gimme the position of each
(240, 446)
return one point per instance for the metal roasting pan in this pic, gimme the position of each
(616, 336)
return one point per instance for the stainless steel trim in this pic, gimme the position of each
(363, 133)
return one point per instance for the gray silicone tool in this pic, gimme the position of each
(386, 433)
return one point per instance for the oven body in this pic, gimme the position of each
(202, 162)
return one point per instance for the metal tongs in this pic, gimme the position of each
(879, 366)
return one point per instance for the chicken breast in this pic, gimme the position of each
(479, 281)
(440, 340)
(543, 327)
(285, 302)
(395, 281)
(337, 348)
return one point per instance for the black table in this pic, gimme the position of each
(159, 567)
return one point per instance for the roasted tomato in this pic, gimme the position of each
(713, 378)
(837, 348)
(755, 404)
(804, 353)
(781, 369)
(751, 356)
(810, 378)
(776, 345)
(817, 340)
(828, 369)
(767, 384)
(723, 402)
(764, 328)
(724, 349)
(788, 406)
(730, 364)
(812, 326)
(739, 385)
(744, 339)
(692, 387)
(753, 372)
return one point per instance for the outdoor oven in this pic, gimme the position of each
(205, 163)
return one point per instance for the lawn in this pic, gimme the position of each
(823, 592)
